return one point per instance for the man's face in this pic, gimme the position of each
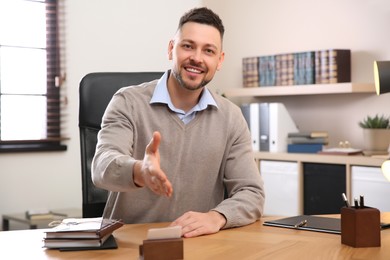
(196, 53)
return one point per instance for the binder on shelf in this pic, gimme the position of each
(269, 125)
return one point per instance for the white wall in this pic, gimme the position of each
(131, 35)
(262, 27)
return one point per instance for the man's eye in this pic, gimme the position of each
(187, 46)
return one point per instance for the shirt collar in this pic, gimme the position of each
(161, 95)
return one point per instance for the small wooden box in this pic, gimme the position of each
(162, 249)
(360, 227)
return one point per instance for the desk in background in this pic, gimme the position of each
(39, 223)
(254, 241)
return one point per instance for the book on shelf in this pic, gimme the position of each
(342, 151)
(284, 65)
(339, 65)
(332, 66)
(304, 72)
(267, 72)
(250, 72)
(307, 140)
(305, 148)
(310, 134)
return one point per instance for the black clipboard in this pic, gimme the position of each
(308, 222)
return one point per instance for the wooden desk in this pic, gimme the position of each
(250, 242)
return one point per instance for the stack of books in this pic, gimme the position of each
(307, 142)
(82, 233)
(297, 68)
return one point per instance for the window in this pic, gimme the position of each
(29, 66)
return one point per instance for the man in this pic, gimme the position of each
(173, 149)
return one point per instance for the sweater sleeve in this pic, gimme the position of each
(112, 166)
(244, 185)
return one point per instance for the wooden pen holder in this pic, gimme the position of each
(161, 249)
(360, 227)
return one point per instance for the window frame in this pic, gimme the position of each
(53, 140)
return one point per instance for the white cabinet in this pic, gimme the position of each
(282, 187)
(370, 182)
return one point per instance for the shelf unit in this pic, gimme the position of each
(302, 159)
(347, 160)
(296, 90)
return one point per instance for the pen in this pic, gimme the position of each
(345, 200)
(361, 201)
(356, 203)
(301, 224)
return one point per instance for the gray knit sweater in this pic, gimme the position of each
(201, 159)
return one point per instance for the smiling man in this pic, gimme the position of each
(176, 151)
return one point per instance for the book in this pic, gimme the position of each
(342, 151)
(312, 134)
(86, 228)
(304, 148)
(308, 222)
(339, 65)
(307, 140)
(73, 243)
(299, 72)
(304, 68)
(309, 59)
(323, 67)
(284, 65)
(267, 70)
(332, 66)
(110, 243)
(250, 72)
(317, 67)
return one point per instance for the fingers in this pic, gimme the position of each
(160, 186)
(154, 178)
(196, 224)
(154, 143)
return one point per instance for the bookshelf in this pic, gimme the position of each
(347, 164)
(296, 90)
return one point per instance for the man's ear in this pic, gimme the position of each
(170, 49)
(221, 59)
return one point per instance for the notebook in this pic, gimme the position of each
(308, 222)
(88, 227)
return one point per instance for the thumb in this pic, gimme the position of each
(154, 143)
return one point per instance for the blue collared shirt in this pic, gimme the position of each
(161, 95)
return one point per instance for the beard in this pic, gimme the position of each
(181, 82)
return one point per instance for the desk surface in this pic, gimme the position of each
(254, 241)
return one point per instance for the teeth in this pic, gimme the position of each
(193, 70)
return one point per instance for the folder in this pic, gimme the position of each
(308, 222)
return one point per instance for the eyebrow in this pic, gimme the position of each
(210, 45)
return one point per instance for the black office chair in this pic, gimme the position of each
(96, 91)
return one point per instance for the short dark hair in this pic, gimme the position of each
(203, 15)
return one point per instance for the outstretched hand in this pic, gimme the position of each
(150, 174)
